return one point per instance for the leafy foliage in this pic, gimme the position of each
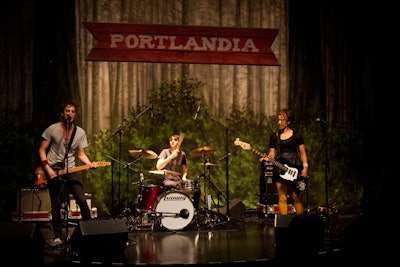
(238, 172)
(337, 172)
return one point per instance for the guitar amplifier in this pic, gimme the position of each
(31, 199)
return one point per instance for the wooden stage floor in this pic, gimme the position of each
(205, 238)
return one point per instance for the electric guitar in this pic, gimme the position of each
(41, 175)
(289, 173)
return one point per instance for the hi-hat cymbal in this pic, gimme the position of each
(143, 153)
(201, 151)
(162, 172)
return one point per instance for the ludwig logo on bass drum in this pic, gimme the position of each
(175, 197)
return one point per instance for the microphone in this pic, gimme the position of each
(69, 117)
(224, 157)
(197, 112)
(151, 111)
(184, 213)
(320, 120)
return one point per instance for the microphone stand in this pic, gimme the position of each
(64, 181)
(226, 157)
(119, 132)
(326, 164)
(325, 137)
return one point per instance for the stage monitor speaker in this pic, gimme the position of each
(309, 228)
(281, 224)
(100, 239)
(237, 210)
(23, 243)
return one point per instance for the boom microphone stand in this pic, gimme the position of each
(226, 157)
(119, 132)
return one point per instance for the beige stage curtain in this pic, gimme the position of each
(110, 89)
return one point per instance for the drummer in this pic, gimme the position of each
(172, 161)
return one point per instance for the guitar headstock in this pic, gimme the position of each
(243, 145)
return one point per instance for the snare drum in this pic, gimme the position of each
(190, 186)
(147, 197)
(175, 209)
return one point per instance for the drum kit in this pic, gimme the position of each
(172, 209)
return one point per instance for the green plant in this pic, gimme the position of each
(174, 104)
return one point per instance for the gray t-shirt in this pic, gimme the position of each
(57, 147)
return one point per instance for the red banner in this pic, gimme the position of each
(182, 44)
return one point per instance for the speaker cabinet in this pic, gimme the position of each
(22, 243)
(237, 210)
(102, 240)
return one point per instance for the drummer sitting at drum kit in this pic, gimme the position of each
(172, 161)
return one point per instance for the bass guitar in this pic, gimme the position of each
(41, 175)
(289, 173)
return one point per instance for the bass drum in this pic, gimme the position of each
(175, 210)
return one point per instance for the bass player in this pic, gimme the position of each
(287, 146)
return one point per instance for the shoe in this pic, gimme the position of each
(57, 242)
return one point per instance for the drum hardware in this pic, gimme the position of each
(210, 218)
(172, 210)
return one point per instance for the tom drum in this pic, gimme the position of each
(147, 197)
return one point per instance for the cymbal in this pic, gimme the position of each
(210, 164)
(204, 150)
(143, 153)
(162, 172)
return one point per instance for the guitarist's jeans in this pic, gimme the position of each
(283, 188)
(59, 194)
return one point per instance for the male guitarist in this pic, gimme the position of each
(60, 142)
(287, 146)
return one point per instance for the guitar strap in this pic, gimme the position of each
(72, 137)
(278, 144)
(277, 155)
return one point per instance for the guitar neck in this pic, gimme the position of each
(74, 169)
(273, 161)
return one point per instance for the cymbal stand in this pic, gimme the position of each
(219, 194)
(210, 219)
(133, 219)
(128, 202)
